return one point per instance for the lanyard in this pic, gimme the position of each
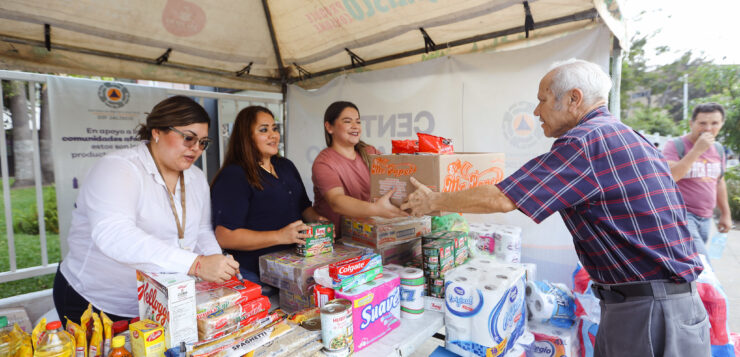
(180, 226)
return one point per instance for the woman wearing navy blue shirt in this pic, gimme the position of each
(258, 200)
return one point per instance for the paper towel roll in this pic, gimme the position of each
(412, 291)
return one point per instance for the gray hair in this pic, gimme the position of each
(586, 76)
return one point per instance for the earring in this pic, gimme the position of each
(156, 140)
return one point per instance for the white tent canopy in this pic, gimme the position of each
(264, 44)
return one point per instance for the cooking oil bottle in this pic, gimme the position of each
(56, 342)
(7, 341)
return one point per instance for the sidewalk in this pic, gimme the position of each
(727, 269)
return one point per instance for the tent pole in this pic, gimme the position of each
(275, 46)
(616, 61)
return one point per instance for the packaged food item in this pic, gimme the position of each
(320, 240)
(86, 321)
(303, 315)
(79, 336)
(107, 332)
(95, 348)
(285, 270)
(212, 297)
(169, 299)
(118, 349)
(229, 320)
(379, 232)
(290, 302)
(404, 146)
(147, 338)
(434, 144)
(38, 332)
(55, 343)
(336, 326)
(24, 347)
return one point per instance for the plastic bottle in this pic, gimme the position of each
(717, 246)
(56, 342)
(118, 347)
(7, 343)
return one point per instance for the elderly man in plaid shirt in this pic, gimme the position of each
(615, 194)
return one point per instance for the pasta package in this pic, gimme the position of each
(230, 319)
(211, 298)
(86, 321)
(96, 339)
(80, 338)
(107, 332)
(38, 332)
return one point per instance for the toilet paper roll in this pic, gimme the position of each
(501, 320)
(540, 304)
(412, 293)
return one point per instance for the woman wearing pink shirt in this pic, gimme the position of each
(341, 172)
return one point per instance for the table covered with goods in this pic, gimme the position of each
(372, 287)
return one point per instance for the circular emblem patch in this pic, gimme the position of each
(114, 95)
(520, 127)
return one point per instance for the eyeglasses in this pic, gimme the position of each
(190, 140)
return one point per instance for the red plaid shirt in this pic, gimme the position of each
(615, 194)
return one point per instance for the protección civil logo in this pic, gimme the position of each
(114, 95)
(521, 129)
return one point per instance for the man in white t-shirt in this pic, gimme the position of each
(697, 164)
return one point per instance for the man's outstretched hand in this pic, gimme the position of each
(419, 202)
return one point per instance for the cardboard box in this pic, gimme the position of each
(169, 300)
(286, 270)
(441, 173)
(379, 232)
(401, 254)
(147, 338)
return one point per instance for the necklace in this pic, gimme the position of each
(270, 171)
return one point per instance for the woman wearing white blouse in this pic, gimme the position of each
(144, 208)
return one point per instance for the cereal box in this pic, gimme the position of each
(169, 299)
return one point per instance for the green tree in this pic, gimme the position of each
(652, 120)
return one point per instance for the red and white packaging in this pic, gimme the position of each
(230, 319)
(353, 266)
(210, 297)
(169, 299)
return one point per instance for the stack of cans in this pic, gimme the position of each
(442, 251)
(438, 259)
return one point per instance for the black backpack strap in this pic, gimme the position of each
(680, 148)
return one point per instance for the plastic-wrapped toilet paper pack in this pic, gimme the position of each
(376, 308)
(484, 308)
(551, 341)
(550, 302)
(503, 242)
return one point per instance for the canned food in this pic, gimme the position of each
(336, 325)
(348, 304)
(322, 295)
(344, 352)
(312, 324)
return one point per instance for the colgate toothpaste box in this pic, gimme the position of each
(376, 308)
(169, 299)
(354, 266)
